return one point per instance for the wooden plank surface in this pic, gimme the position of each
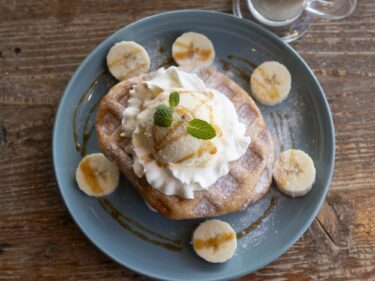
(43, 42)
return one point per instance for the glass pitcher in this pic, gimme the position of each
(290, 19)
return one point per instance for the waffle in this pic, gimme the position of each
(249, 177)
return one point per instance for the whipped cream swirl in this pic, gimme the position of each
(173, 161)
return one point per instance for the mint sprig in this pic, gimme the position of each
(200, 129)
(174, 99)
(163, 116)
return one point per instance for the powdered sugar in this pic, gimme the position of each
(254, 237)
(260, 218)
(285, 122)
(246, 115)
(227, 185)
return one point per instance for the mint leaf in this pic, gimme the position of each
(163, 116)
(174, 99)
(200, 129)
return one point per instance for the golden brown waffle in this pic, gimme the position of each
(249, 177)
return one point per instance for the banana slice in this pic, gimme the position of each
(270, 83)
(294, 173)
(193, 48)
(215, 241)
(96, 175)
(127, 59)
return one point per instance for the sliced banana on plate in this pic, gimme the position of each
(215, 241)
(193, 48)
(96, 175)
(127, 59)
(270, 83)
(294, 173)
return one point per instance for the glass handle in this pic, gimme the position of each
(331, 9)
(236, 7)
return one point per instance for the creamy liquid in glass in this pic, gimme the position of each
(279, 10)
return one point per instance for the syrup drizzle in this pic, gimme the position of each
(256, 223)
(243, 72)
(88, 128)
(127, 223)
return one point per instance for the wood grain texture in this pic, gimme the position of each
(43, 42)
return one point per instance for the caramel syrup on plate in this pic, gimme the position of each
(171, 244)
(127, 223)
(246, 61)
(256, 223)
(89, 126)
(243, 72)
(87, 129)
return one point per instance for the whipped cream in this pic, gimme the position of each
(173, 161)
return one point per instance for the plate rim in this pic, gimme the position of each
(275, 254)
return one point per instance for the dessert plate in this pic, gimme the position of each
(122, 226)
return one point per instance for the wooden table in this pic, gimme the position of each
(41, 45)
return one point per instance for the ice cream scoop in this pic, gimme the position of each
(174, 144)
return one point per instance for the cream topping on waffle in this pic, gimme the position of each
(173, 161)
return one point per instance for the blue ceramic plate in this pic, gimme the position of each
(302, 121)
